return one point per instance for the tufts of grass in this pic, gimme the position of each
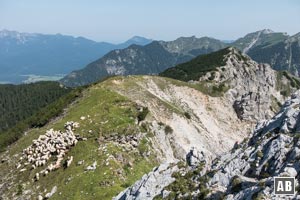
(287, 89)
(168, 129)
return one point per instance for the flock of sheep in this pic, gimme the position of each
(52, 144)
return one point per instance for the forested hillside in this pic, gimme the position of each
(197, 67)
(18, 102)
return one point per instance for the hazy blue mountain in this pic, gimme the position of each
(49, 55)
(134, 40)
(228, 41)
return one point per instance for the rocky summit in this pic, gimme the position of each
(255, 90)
(252, 86)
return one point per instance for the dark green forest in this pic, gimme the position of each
(54, 102)
(197, 67)
(17, 102)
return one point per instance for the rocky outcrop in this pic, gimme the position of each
(129, 141)
(195, 157)
(154, 183)
(92, 167)
(248, 171)
(150, 185)
(252, 86)
(273, 150)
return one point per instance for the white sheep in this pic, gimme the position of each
(37, 176)
(69, 161)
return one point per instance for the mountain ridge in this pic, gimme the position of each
(262, 46)
(149, 59)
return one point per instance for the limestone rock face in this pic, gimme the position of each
(273, 150)
(151, 184)
(212, 126)
(252, 85)
(248, 170)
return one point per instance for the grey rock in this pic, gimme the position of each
(195, 157)
(248, 170)
(271, 150)
(252, 86)
(92, 167)
(150, 185)
(50, 194)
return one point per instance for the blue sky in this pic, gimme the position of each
(118, 20)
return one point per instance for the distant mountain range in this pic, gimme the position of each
(30, 57)
(277, 49)
(149, 59)
(43, 55)
(281, 51)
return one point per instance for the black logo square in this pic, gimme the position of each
(284, 185)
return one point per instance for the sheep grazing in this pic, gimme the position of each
(52, 143)
(37, 176)
(69, 161)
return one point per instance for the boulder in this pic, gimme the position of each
(50, 194)
(195, 157)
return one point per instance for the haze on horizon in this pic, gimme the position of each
(117, 20)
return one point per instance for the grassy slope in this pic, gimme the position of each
(287, 88)
(102, 105)
(131, 84)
